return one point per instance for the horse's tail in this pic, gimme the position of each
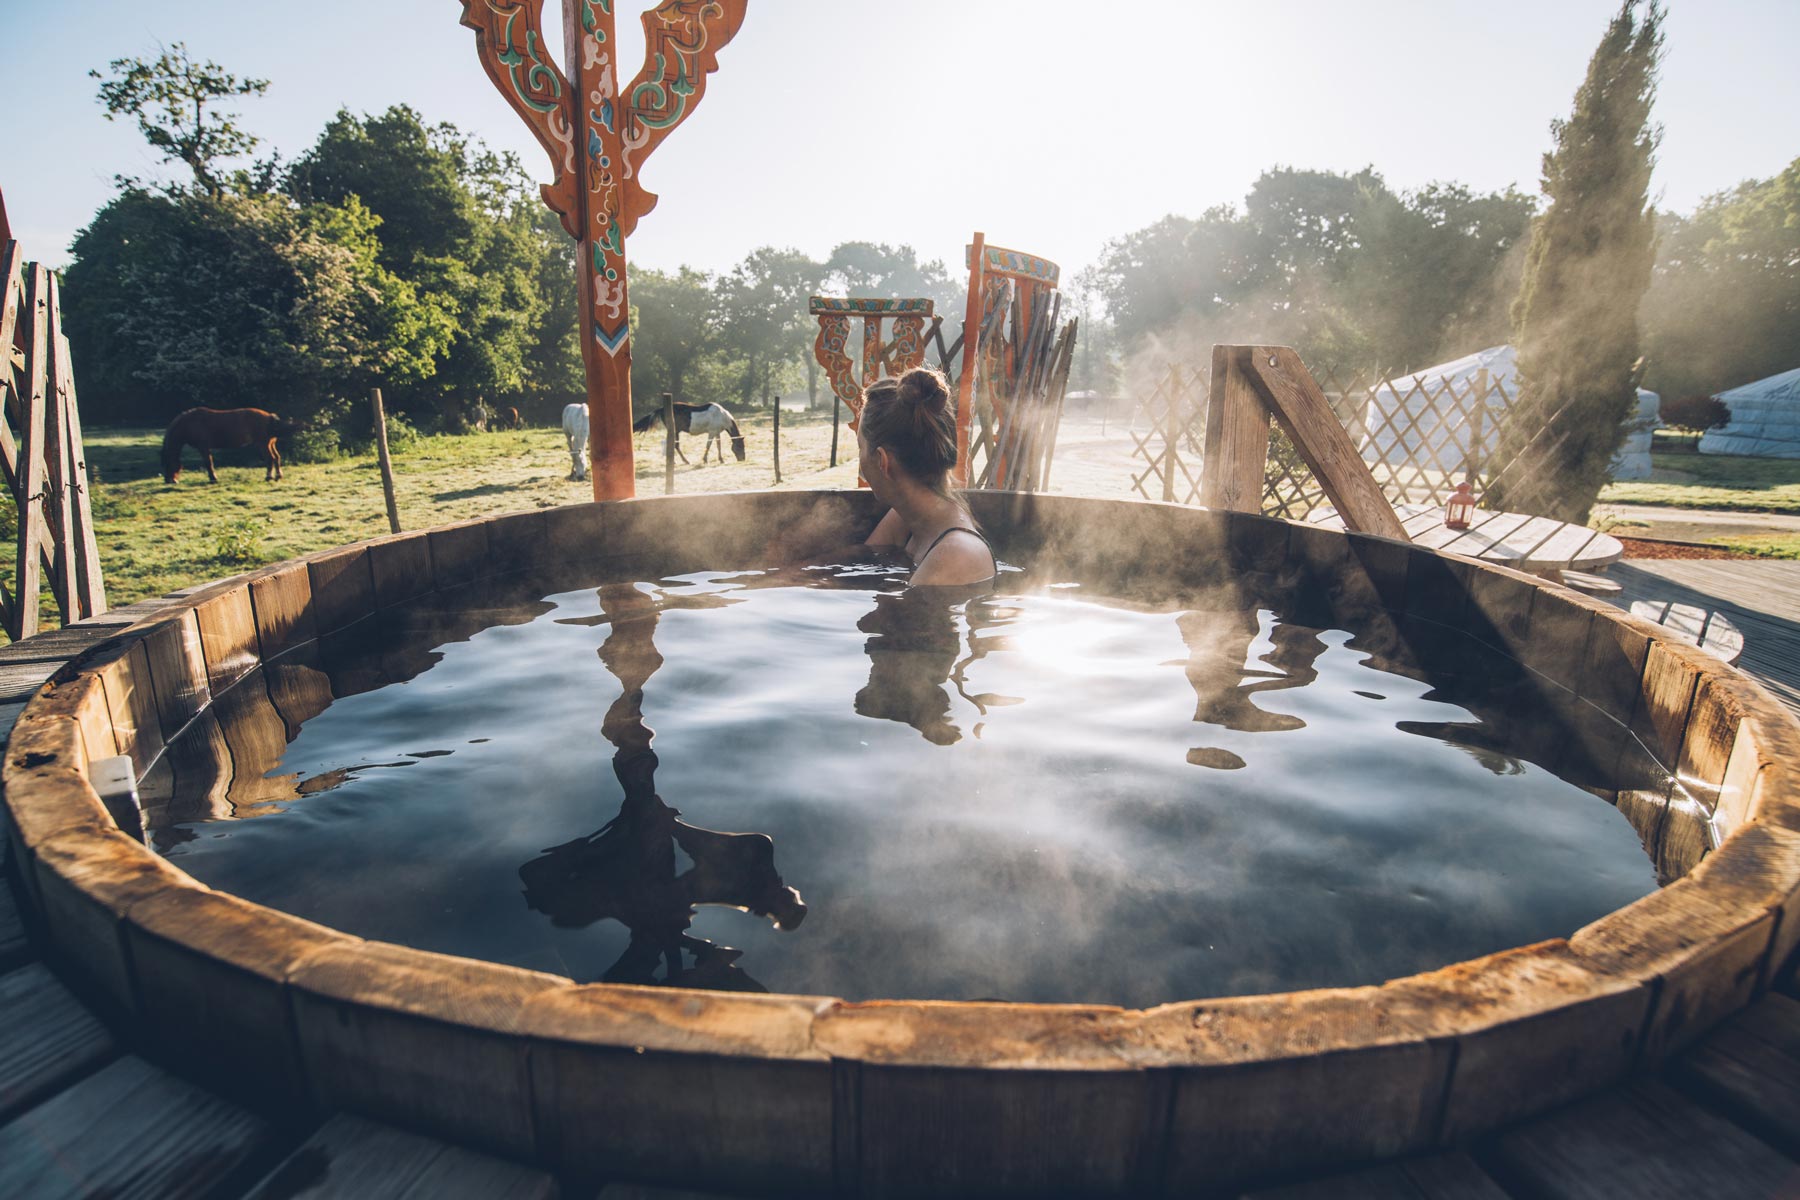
(646, 421)
(171, 450)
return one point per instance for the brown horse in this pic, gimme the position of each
(209, 429)
(509, 419)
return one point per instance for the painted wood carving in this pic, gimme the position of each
(904, 351)
(598, 136)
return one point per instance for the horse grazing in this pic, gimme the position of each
(209, 429)
(575, 428)
(508, 418)
(709, 419)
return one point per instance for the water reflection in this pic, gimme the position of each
(226, 765)
(646, 868)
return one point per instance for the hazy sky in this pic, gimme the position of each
(1049, 124)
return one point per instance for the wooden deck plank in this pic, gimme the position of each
(1645, 1141)
(1440, 1177)
(1749, 1068)
(47, 1038)
(1762, 599)
(129, 1130)
(15, 950)
(18, 680)
(353, 1159)
(57, 645)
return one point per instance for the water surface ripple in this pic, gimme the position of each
(809, 780)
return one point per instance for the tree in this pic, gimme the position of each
(1724, 298)
(231, 300)
(459, 224)
(1341, 267)
(763, 314)
(170, 99)
(1586, 272)
(674, 326)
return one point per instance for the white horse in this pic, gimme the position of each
(575, 428)
(709, 419)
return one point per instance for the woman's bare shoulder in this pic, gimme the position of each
(961, 557)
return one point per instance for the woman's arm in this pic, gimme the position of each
(888, 531)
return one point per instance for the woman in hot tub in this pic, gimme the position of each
(907, 444)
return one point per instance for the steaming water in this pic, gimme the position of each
(1041, 797)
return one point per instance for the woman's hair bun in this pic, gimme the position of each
(926, 388)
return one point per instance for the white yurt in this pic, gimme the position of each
(1765, 419)
(1406, 416)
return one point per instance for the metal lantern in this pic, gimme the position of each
(1460, 508)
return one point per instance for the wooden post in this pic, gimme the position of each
(387, 465)
(87, 591)
(1171, 435)
(58, 470)
(598, 126)
(30, 494)
(1237, 436)
(837, 408)
(965, 387)
(1287, 389)
(1472, 468)
(775, 438)
(668, 416)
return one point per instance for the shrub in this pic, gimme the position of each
(241, 541)
(316, 444)
(1698, 413)
(402, 434)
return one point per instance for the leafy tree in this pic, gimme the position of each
(674, 326)
(228, 300)
(1339, 266)
(1724, 298)
(170, 98)
(1695, 413)
(763, 320)
(460, 225)
(878, 269)
(1586, 273)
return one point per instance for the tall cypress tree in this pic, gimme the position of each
(1576, 319)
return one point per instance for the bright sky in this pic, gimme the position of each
(1049, 124)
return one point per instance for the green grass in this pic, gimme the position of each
(1765, 545)
(156, 537)
(1715, 481)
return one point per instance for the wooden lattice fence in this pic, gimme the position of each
(1419, 436)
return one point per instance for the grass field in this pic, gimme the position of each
(155, 537)
(1715, 481)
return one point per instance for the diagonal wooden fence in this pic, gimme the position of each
(1419, 437)
(42, 455)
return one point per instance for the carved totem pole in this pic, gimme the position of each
(581, 116)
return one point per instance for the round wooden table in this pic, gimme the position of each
(1538, 545)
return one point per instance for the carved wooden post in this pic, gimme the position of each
(830, 348)
(583, 114)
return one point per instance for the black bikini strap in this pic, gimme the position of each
(958, 529)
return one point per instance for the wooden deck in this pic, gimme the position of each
(82, 1115)
(1761, 597)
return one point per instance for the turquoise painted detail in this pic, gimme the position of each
(613, 340)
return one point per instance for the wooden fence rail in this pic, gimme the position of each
(42, 454)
